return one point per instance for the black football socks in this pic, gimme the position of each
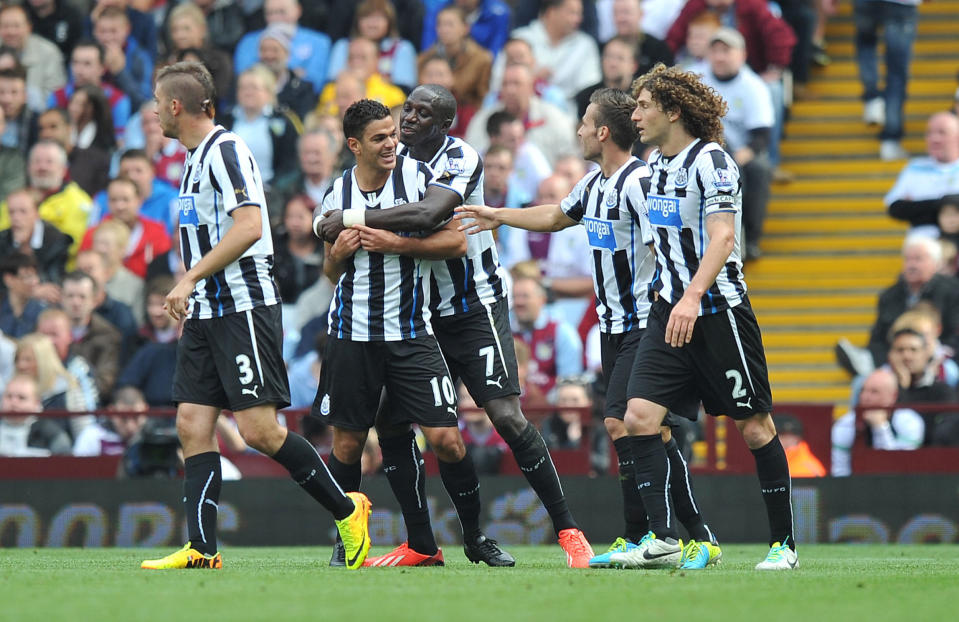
(634, 512)
(462, 485)
(308, 470)
(681, 490)
(348, 476)
(533, 459)
(773, 471)
(403, 465)
(201, 493)
(652, 479)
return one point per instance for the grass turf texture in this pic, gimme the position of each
(835, 582)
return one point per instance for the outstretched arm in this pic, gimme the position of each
(426, 215)
(539, 218)
(447, 243)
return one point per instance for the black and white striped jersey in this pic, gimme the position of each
(610, 210)
(219, 176)
(700, 180)
(458, 285)
(380, 297)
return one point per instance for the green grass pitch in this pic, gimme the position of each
(835, 582)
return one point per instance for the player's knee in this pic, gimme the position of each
(507, 416)
(616, 428)
(348, 445)
(193, 425)
(643, 417)
(447, 443)
(758, 430)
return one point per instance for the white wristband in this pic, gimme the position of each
(316, 222)
(354, 217)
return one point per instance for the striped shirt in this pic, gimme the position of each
(458, 285)
(623, 268)
(700, 180)
(219, 176)
(380, 297)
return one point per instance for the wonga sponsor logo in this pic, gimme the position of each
(600, 233)
(664, 211)
(188, 212)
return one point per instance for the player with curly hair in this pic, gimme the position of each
(702, 338)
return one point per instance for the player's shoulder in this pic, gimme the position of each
(409, 166)
(335, 189)
(460, 155)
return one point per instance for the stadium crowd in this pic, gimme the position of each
(89, 245)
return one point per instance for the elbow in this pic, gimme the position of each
(460, 250)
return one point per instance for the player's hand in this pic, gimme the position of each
(178, 300)
(330, 226)
(482, 218)
(345, 245)
(682, 319)
(377, 240)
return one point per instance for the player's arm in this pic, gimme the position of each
(426, 215)
(245, 232)
(721, 227)
(548, 218)
(338, 253)
(447, 243)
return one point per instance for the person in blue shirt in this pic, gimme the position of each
(489, 22)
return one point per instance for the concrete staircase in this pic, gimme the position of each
(829, 247)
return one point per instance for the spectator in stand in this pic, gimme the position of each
(224, 21)
(520, 52)
(884, 425)
(948, 221)
(30, 235)
(926, 180)
(91, 124)
(188, 30)
(747, 127)
(20, 122)
(802, 461)
(471, 63)
(40, 57)
(87, 68)
(497, 170)
(94, 338)
(142, 26)
(915, 370)
(59, 21)
(564, 428)
(530, 166)
(555, 347)
(438, 70)
(699, 33)
(396, 58)
(629, 24)
(110, 241)
(360, 79)
(158, 199)
(620, 63)
(150, 236)
(310, 50)
(112, 435)
(129, 67)
(118, 314)
(12, 164)
(55, 324)
(316, 154)
(769, 45)
(90, 166)
(801, 17)
(292, 91)
(150, 369)
(485, 445)
(27, 435)
(165, 154)
(488, 20)
(565, 56)
(897, 19)
(64, 204)
(531, 396)
(37, 358)
(298, 253)
(20, 309)
(547, 127)
(269, 130)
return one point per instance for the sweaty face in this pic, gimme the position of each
(650, 120)
(377, 148)
(417, 122)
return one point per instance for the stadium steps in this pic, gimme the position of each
(829, 247)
